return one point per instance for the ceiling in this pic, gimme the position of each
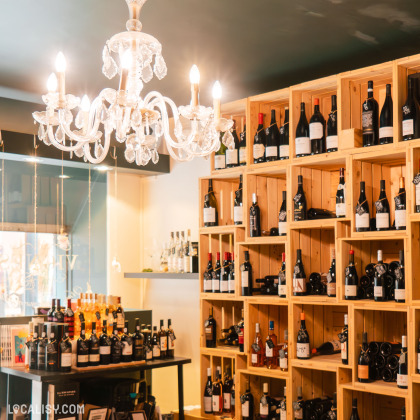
(251, 46)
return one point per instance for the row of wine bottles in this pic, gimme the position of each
(232, 157)
(219, 395)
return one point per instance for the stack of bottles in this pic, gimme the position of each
(180, 255)
(220, 278)
(315, 408)
(219, 395)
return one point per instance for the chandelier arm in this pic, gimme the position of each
(90, 158)
(58, 145)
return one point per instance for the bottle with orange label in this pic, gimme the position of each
(363, 364)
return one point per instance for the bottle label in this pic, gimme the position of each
(187, 264)
(331, 288)
(316, 131)
(263, 409)
(418, 194)
(241, 335)
(367, 122)
(82, 358)
(171, 341)
(66, 359)
(363, 371)
(402, 380)
(232, 285)
(283, 415)
(282, 228)
(216, 404)
(271, 151)
(399, 294)
(282, 290)
(283, 363)
(340, 209)
(227, 401)
(149, 355)
(127, 349)
(298, 414)
(350, 290)
(302, 350)
(238, 214)
(332, 142)
(400, 218)
(105, 350)
(156, 351)
(245, 278)
(344, 350)
(209, 215)
(245, 409)
(362, 221)
(120, 320)
(269, 351)
(382, 220)
(207, 284)
(94, 358)
(224, 286)
(242, 155)
(209, 333)
(378, 291)
(219, 162)
(215, 285)
(408, 127)
(207, 405)
(303, 146)
(386, 132)
(254, 358)
(258, 150)
(299, 285)
(284, 151)
(231, 156)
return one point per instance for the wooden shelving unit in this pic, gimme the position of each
(321, 375)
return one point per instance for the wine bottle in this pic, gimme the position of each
(65, 351)
(362, 211)
(265, 403)
(94, 347)
(58, 315)
(317, 130)
(354, 413)
(282, 289)
(138, 343)
(299, 405)
(232, 395)
(104, 346)
(411, 114)
(403, 413)
(246, 276)
(388, 348)
(340, 197)
(302, 140)
(127, 343)
(231, 276)
(418, 356)
(283, 215)
(210, 330)
(52, 351)
(363, 365)
(416, 182)
(299, 202)
(303, 348)
(232, 155)
(332, 138)
(155, 344)
(402, 376)
(210, 213)
(216, 275)
(257, 349)
(316, 214)
(247, 404)
(50, 313)
(332, 413)
(344, 339)
(382, 210)
(379, 292)
(238, 216)
(254, 218)
(386, 134)
(271, 352)
(299, 276)
(224, 281)
(42, 354)
(208, 275)
(400, 207)
(283, 406)
(331, 285)
(227, 391)
(400, 280)
(284, 136)
(272, 134)
(241, 332)
(217, 394)
(208, 393)
(32, 346)
(170, 352)
(82, 348)
(329, 347)
(259, 141)
(69, 318)
(370, 118)
(283, 360)
(220, 156)
(148, 348)
(242, 147)
(351, 281)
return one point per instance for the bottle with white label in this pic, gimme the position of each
(282, 291)
(247, 403)
(411, 113)
(418, 356)
(242, 146)
(259, 141)
(283, 406)
(379, 291)
(298, 405)
(317, 130)
(238, 214)
(351, 281)
(283, 215)
(65, 351)
(227, 391)
(303, 347)
(399, 291)
(208, 275)
(217, 395)
(232, 155)
(370, 117)
(362, 211)
(94, 348)
(302, 140)
(210, 213)
(265, 403)
(208, 392)
(386, 119)
(299, 276)
(402, 376)
(231, 276)
(416, 182)
(382, 209)
(331, 277)
(246, 276)
(82, 348)
(271, 351)
(272, 134)
(216, 275)
(282, 361)
(284, 136)
(332, 138)
(340, 196)
(220, 156)
(401, 207)
(257, 349)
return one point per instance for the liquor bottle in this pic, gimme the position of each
(329, 347)
(272, 135)
(282, 291)
(116, 346)
(265, 403)
(241, 332)
(69, 318)
(50, 317)
(284, 136)
(65, 351)
(208, 393)
(220, 156)
(299, 202)
(254, 218)
(402, 376)
(170, 353)
(163, 340)
(370, 119)
(180, 253)
(299, 276)
(232, 155)
(138, 343)
(127, 345)
(400, 207)
(246, 276)
(247, 403)
(82, 348)
(271, 352)
(210, 213)
(403, 413)
(58, 315)
(283, 406)
(170, 255)
(382, 210)
(238, 214)
(302, 140)
(351, 281)
(283, 215)
(332, 138)
(188, 253)
(303, 347)
(257, 349)
(210, 330)
(42, 354)
(363, 365)
(208, 276)
(94, 348)
(411, 114)
(104, 346)
(227, 391)
(362, 211)
(32, 352)
(317, 130)
(344, 339)
(216, 275)
(217, 394)
(340, 197)
(386, 134)
(224, 281)
(379, 291)
(155, 344)
(242, 147)
(52, 351)
(331, 285)
(400, 280)
(299, 405)
(354, 413)
(259, 141)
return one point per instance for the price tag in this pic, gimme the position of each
(256, 348)
(360, 210)
(297, 198)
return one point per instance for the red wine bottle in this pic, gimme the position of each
(208, 392)
(317, 130)
(237, 205)
(332, 138)
(303, 347)
(232, 155)
(382, 210)
(259, 141)
(400, 207)
(299, 276)
(386, 134)
(210, 213)
(400, 280)
(379, 290)
(216, 275)
(363, 365)
(351, 281)
(299, 202)
(254, 218)
(411, 114)
(282, 289)
(208, 275)
(354, 413)
(283, 215)
(302, 140)
(329, 347)
(362, 211)
(402, 376)
(331, 285)
(284, 136)
(370, 119)
(246, 276)
(272, 139)
(242, 147)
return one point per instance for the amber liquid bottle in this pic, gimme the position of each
(271, 350)
(257, 349)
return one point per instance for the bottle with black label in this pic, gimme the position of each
(399, 292)
(363, 366)
(340, 197)
(299, 202)
(283, 215)
(163, 340)
(382, 209)
(254, 218)
(362, 211)
(332, 138)
(210, 213)
(331, 285)
(42, 346)
(386, 119)
(52, 351)
(370, 116)
(232, 155)
(282, 288)
(82, 348)
(272, 134)
(104, 346)
(116, 346)
(127, 345)
(216, 275)
(302, 140)
(299, 276)
(379, 289)
(138, 343)
(317, 130)
(344, 339)
(210, 330)
(259, 141)
(284, 136)
(401, 207)
(411, 114)
(238, 214)
(246, 276)
(351, 281)
(242, 147)
(32, 352)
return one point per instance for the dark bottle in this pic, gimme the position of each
(210, 213)
(50, 314)
(362, 211)
(390, 348)
(332, 414)
(52, 352)
(232, 393)
(403, 413)
(227, 392)
(265, 403)
(386, 134)
(272, 139)
(116, 346)
(254, 218)
(246, 276)
(232, 155)
(299, 202)
(332, 138)
(379, 290)
(303, 347)
(170, 353)
(208, 393)
(299, 276)
(104, 346)
(400, 280)
(241, 332)
(402, 376)
(210, 330)
(382, 210)
(247, 403)
(283, 215)
(138, 343)
(224, 281)
(217, 395)
(302, 140)
(58, 315)
(332, 285)
(242, 147)
(69, 318)
(33, 349)
(283, 406)
(363, 365)
(340, 197)
(155, 344)
(282, 291)
(238, 213)
(42, 354)
(82, 348)
(317, 130)
(400, 207)
(220, 156)
(354, 413)
(370, 116)
(418, 356)
(315, 214)
(284, 136)
(416, 182)
(411, 114)
(351, 281)
(208, 276)
(329, 347)
(259, 141)
(163, 340)
(231, 275)
(94, 347)
(65, 351)
(148, 348)
(299, 405)
(216, 275)
(127, 345)
(344, 339)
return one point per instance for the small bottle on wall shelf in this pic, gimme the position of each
(254, 218)
(303, 347)
(399, 273)
(210, 213)
(302, 140)
(351, 281)
(317, 130)
(363, 365)
(386, 129)
(340, 197)
(416, 182)
(299, 202)
(272, 139)
(331, 285)
(402, 376)
(224, 281)
(332, 138)
(265, 403)
(241, 332)
(246, 276)
(210, 330)
(208, 393)
(259, 141)
(217, 395)
(282, 288)
(66, 352)
(232, 155)
(382, 209)
(242, 146)
(271, 352)
(354, 412)
(411, 114)
(299, 405)
(299, 276)
(379, 291)
(231, 276)
(370, 119)
(208, 275)
(216, 275)
(283, 215)
(344, 339)
(284, 136)
(247, 403)
(257, 349)
(400, 207)
(362, 211)
(283, 406)
(220, 156)
(227, 391)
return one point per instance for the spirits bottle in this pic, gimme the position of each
(271, 351)
(246, 276)
(299, 202)
(317, 130)
(284, 136)
(104, 346)
(302, 140)
(208, 393)
(370, 119)
(303, 347)
(259, 141)
(340, 197)
(138, 343)
(332, 138)
(386, 130)
(210, 213)
(210, 330)
(254, 218)
(94, 347)
(351, 281)
(82, 348)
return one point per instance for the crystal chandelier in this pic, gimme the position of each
(85, 128)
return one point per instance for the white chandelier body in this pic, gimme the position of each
(85, 129)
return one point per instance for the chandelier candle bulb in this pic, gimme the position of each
(60, 66)
(125, 65)
(217, 94)
(194, 80)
